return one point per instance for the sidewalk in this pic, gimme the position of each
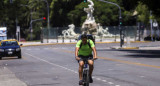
(7, 78)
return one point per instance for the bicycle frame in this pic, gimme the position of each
(86, 73)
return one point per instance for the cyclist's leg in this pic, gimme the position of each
(91, 67)
(91, 63)
(81, 64)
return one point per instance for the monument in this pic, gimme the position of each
(69, 33)
(103, 32)
(89, 26)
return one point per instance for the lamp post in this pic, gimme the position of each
(120, 21)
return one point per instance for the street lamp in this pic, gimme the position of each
(120, 21)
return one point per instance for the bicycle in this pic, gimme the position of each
(85, 73)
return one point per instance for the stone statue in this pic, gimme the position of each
(70, 32)
(89, 26)
(103, 32)
(89, 11)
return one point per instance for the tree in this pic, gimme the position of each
(142, 13)
(59, 10)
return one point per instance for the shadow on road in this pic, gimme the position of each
(137, 53)
(143, 53)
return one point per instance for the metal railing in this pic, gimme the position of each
(55, 34)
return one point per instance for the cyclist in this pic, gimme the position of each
(83, 49)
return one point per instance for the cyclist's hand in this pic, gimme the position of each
(94, 58)
(77, 58)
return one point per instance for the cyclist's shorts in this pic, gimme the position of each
(90, 57)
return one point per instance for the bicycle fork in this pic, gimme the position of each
(86, 75)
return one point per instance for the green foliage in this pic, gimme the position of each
(65, 12)
(143, 13)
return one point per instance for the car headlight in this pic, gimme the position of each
(18, 49)
(1, 50)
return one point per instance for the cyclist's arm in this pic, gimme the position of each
(94, 50)
(76, 51)
(94, 53)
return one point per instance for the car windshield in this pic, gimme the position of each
(9, 43)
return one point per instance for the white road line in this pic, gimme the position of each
(142, 76)
(104, 80)
(117, 85)
(111, 83)
(98, 79)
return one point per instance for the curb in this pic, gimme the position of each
(45, 44)
(75, 43)
(126, 48)
(125, 42)
(130, 48)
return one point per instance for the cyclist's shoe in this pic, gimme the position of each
(81, 82)
(90, 80)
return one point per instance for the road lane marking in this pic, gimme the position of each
(129, 62)
(142, 76)
(64, 67)
(98, 79)
(117, 85)
(121, 61)
(104, 80)
(110, 83)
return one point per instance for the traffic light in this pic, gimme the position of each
(44, 18)
(120, 21)
(85, 1)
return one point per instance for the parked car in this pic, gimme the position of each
(10, 48)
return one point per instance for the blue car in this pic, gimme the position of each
(9, 48)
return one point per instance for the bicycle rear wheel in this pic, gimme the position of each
(86, 78)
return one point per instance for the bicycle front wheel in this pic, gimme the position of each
(86, 78)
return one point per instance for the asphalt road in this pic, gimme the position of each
(54, 65)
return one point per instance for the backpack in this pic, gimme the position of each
(89, 37)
